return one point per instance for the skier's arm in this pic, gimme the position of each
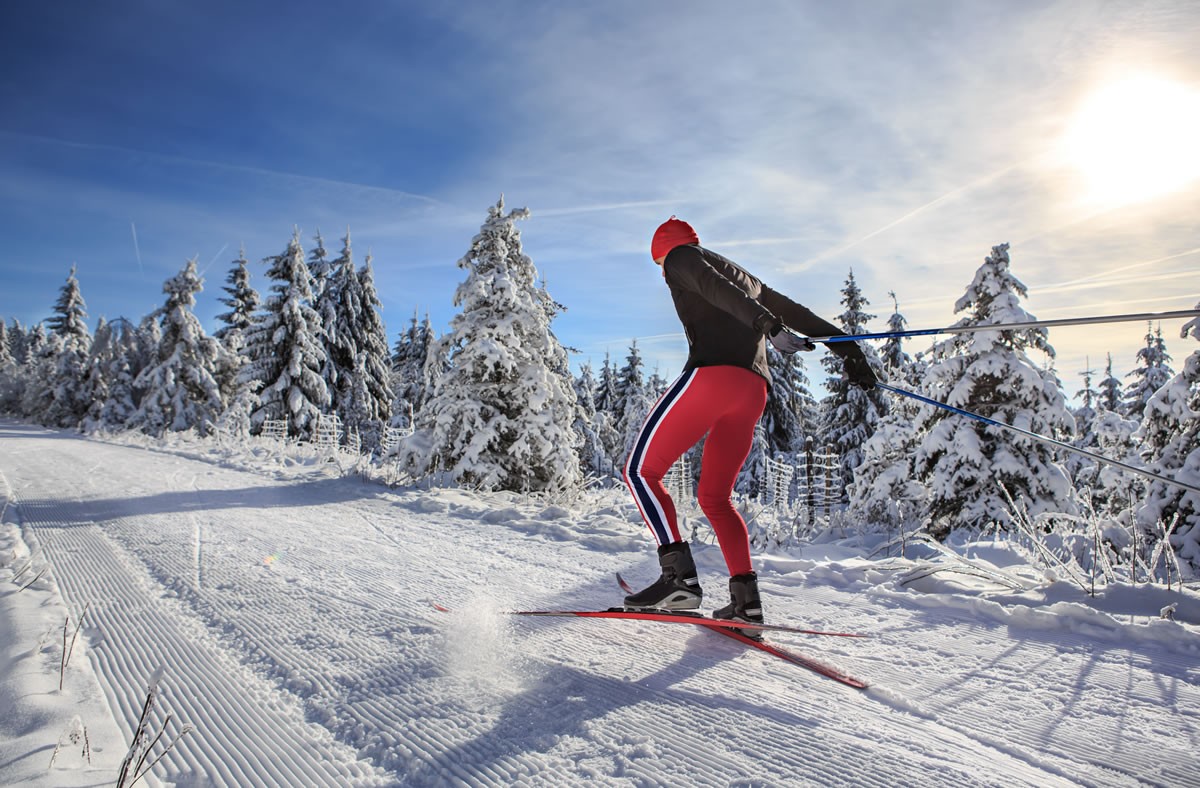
(684, 267)
(802, 319)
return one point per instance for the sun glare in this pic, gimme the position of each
(1136, 139)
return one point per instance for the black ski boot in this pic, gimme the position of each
(744, 604)
(677, 589)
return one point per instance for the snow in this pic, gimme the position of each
(287, 602)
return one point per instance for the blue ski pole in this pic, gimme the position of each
(1068, 321)
(1038, 437)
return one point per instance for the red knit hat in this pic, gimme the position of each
(671, 233)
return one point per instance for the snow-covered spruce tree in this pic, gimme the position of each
(633, 401)
(10, 371)
(1083, 470)
(1170, 437)
(752, 477)
(37, 393)
(961, 461)
(285, 350)
(606, 386)
(67, 405)
(6, 354)
(119, 404)
(1151, 374)
(242, 301)
(364, 398)
(501, 417)
(849, 414)
(885, 491)
(180, 387)
(1110, 391)
(791, 410)
(327, 277)
(896, 362)
(593, 460)
(96, 376)
(409, 357)
(608, 418)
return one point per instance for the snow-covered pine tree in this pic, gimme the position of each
(6, 354)
(180, 387)
(606, 387)
(365, 404)
(243, 302)
(20, 341)
(633, 402)
(95, 386)
(337, 305)
(69, 320)
(120, 404)
(409, 357)
(885, 491)
(327, 278)
(1170, 437)
(1082, 469)
(68, 404)
(656, 385)
(753, 475)
(608, 418)
(1151, 374)
(592, 458)
(41, 369)
(284, 348)
(849, 414)
(1110, 390)
(501, 417)
(895, 360)
(961, 461)
(791, 410)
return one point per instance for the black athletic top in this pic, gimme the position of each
(726, 312)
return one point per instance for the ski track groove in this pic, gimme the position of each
(243, 743)
(342, 632)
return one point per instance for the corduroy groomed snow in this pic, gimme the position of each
(671, 233)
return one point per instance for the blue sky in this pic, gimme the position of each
(804, 139)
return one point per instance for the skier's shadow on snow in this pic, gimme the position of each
(564, 701)
(318, 492)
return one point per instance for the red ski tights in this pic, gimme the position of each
(724, 402)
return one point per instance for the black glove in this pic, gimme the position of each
(859, 373)
(786, 342)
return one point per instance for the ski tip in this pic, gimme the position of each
(439, 608)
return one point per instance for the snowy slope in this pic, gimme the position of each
(290, 608)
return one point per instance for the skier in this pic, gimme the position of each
(728, 315)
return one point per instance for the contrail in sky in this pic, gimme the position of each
(213, 260)
(945, 197)
(136, 250)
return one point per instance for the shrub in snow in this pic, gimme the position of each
(501, 415)
(961, 460)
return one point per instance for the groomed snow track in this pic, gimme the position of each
(293, 620)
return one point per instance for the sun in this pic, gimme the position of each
(1136, 139)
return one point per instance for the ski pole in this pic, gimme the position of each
(1069, 321)
(1098, 457)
